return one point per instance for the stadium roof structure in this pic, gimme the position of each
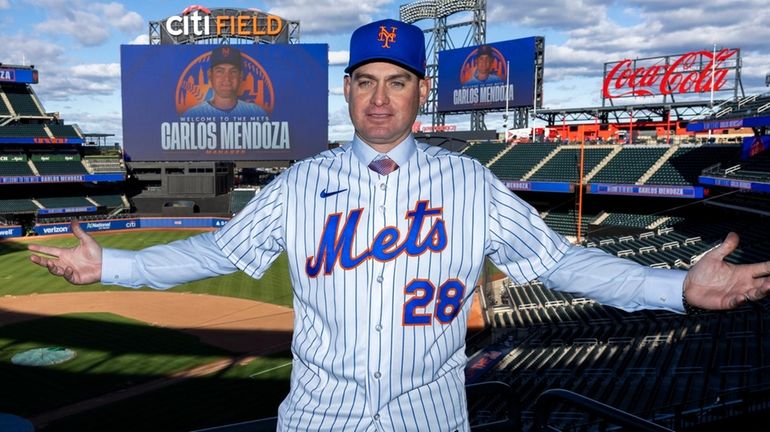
(688, 110)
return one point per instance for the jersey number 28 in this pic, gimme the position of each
(448, 301)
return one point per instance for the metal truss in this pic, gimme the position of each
(626, 113)
(439, 38)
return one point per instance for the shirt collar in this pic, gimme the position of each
(400, 153)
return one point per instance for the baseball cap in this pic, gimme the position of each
(390, 41)
(226, 54)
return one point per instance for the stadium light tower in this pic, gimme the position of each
(439, 39)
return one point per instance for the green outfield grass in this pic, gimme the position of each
(113, 353)
(18, 276)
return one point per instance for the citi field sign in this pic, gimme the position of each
(197, 20)
(692, 72)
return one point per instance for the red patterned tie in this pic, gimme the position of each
(383, 166)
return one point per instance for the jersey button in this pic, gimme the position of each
(377, 375)
(378, 327)
(382, 208)
(380, 279)
(376, 416)
(383, 186)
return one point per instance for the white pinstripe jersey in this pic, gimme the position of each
(381, 267)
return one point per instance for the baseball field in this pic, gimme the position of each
(198, 355)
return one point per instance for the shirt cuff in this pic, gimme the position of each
(118, 267)
(665, 289)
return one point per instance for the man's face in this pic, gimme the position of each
(483, 65)
(225, 79)
(383, 100)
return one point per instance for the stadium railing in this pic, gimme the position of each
(550, 399)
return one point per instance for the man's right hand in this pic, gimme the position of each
(80, 265)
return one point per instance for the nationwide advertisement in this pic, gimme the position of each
(474, 78)
(224, 102)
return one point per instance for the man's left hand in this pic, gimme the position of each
(713, 283)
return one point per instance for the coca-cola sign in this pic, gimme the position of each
(687, 73)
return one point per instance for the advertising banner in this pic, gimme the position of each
(224, 102)
(474, 78)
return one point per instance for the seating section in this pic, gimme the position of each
(485, 151)
(4, 111)
(62, 202)
(21, 99)
(565, 165)
(521, 159)
(109, 200)
(565, 223)
(59, 164)
(687, 163)
(23, 131)
(629, 165)
(63, 131)
(630, 219)
(239, 198)
(17, 206)
(756, 168)
(655, 364)
(104, 165)
(752, 105)
(14, 165)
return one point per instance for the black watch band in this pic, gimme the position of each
(690, 309)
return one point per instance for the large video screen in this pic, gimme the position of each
(474, 78)
(224, 102)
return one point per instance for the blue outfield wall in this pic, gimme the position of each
(128, 224)
(10, 231)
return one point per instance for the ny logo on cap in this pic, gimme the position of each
(387, 37)
(225, 52)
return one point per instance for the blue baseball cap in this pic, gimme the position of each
(390, 41)
(226, 54)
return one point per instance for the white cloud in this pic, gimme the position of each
(142, 39)
(328, 16)
(88, 23)
(5, 4)
(554, 14)
(336, 91)
(96, 71)
(109, 122)
(338, 57)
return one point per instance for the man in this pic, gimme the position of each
(385, 240)
(484, 73)
(225, 77)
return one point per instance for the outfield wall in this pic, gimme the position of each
(122, 224)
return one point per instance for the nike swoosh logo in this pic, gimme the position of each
(325, 194)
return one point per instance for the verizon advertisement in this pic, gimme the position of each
(692, 72)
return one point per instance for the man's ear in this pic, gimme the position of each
(346, 87)
(424, 88)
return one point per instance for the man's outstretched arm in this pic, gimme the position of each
(161, 267)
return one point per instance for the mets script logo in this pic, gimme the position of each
(193, 85)
(387, 37)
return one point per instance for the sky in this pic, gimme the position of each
(75, 44)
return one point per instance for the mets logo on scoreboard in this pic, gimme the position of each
(194, 83)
